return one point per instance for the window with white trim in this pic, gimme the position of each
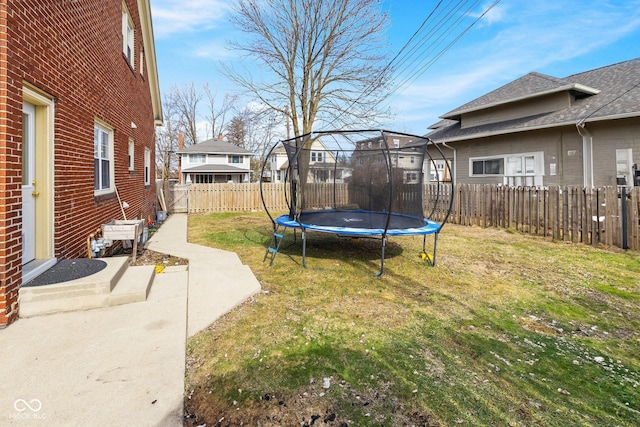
(410, 177)
(128, 32)
(480, 167)
(147, 166)
(317, 156)
(517, 169)
(234, 159)
(103, 167)
(132, 151)
(197, 158)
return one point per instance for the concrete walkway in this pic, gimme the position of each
(120, 365)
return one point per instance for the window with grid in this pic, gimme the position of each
(127, 36)
(197, 158)
(103, 158)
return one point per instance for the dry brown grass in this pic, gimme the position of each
(505, 330)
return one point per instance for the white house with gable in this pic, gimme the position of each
(215, 161)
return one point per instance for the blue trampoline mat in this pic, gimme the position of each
(360, 223)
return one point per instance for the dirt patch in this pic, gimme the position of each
(308, 407)
(148, 257)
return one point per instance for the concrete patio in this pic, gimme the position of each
(124, 364)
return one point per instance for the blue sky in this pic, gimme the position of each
(554, 37)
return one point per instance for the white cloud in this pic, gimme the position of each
(212, 49)
(179, 16)
(494, 15)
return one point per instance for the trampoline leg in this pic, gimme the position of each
(431, 260)
(384, 243)
(435, 246)
(304, 248)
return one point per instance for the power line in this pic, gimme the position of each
(413, 59)
(421, 69)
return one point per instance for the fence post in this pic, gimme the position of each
(623, 199)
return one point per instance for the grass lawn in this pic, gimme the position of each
(505, 330)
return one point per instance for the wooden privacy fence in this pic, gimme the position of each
(205, 198)
(576, 214)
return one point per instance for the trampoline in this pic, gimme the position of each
(360, 223)
(367, 183)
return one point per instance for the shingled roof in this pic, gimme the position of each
(605, 93)
(214, 146)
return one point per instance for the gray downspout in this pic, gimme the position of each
(454, 178)
(587, 153)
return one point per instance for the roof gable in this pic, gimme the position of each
(527, 87)
(602, 94)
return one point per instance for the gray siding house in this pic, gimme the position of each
(581, 130)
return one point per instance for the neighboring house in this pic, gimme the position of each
(581, 130)
(79, 101)
(215, 161)
(322, 165)
(433, 169)
(278, 164)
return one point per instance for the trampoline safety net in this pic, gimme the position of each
(370, 171)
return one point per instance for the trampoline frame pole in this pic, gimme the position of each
(304, 248)
(384, 243)
(432, 261)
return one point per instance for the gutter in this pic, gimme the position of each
(587, 152)
(455, 162)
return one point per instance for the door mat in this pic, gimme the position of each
(68, 269)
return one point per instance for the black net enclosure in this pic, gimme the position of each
(357, 183)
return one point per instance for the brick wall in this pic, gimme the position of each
(72, 51)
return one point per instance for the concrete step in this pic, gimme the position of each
(116, 284)
(134, 285)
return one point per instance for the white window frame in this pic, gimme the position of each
(473, 160)
(317, 156)
(411, 177)
(147, 166)
(624, 167)
(517, 168)
(128, 36)
(132, 152)
(102, 130)
(198, 158)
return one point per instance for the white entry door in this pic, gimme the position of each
(28, 183)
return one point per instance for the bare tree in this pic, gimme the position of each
(238, 127)
(217, 114)
(182, 105)
(167, 140)
(254, 130)
(323, 59)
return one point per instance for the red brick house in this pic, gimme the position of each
(79, 102)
